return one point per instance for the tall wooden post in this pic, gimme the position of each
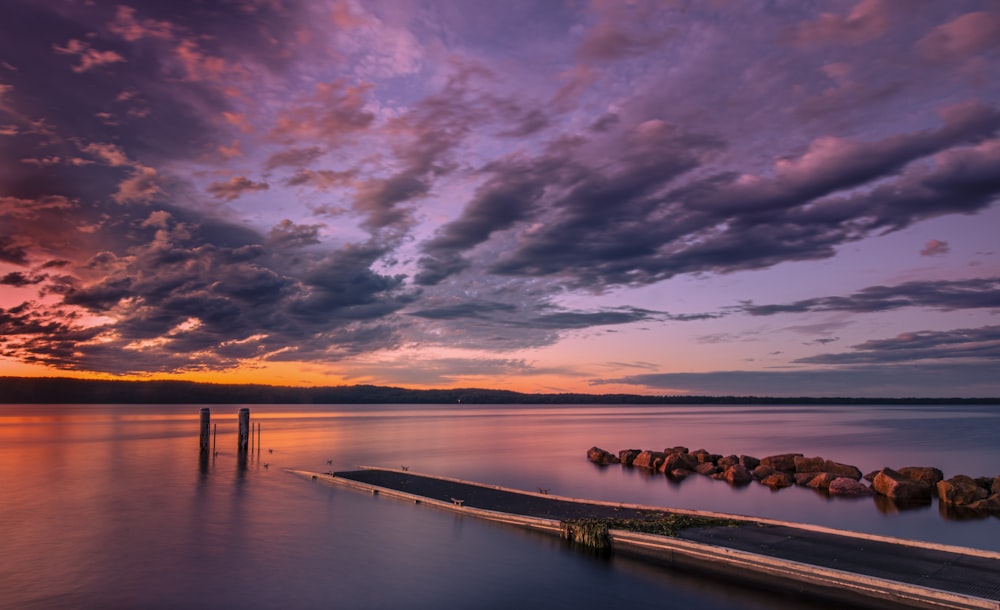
(244, 434)
(205, 425)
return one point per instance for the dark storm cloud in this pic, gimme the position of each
(932, 380)
(187, 293)
(941, 294)
(965, 343)
(619, 225)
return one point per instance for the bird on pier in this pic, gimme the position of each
(329, 461)
(270, 450)
(266, 466)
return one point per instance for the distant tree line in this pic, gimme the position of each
(60, 390)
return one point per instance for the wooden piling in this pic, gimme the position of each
(244, 430)
(203, 435)
(215, 433)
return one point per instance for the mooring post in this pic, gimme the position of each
(258, 438)
(215, 433)
(203, 435)
(244, 433)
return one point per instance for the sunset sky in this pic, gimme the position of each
(770, 198)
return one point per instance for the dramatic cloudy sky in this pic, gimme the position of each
(730, 197)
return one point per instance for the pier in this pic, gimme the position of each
(860, 569)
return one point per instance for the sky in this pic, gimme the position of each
(779, 198)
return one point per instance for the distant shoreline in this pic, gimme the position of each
(64, 390)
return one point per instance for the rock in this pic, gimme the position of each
(600, 456)
(679, 460)
(649, 459)
(677, 449)
(749, 462)
(870, 476)
(680, 473)
(726, 462)
(705, 457)
(960, 490)
(627, 456)
(922, 473)
(823, 480)
(784, 462)
(706, 468)
(847, 487)
(762, 472)
(802, 478)
(990, 504)
(995, 488)
(778, 480)
(844, 470)
(890, 483)
(808, 464)
(737, 474)
(985, 483)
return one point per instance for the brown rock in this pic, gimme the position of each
(737, 474)
(679, 460)
(680, 473)
(726, 462)
(677, 449)
(808, 464)
(784, 462)
(870, 476)
(960, 490)
(778, 480)
(985, 483)
(890, 483)
(802, 478)
(844, 470)
(648, 459)
(823, 480)
(995, 488)
(706, 468)
(762, 472)
(922, 473)
(750, 462)
(627, 456)
(600, 456)
(990, 504)
(847, 487)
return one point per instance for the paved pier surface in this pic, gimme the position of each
(880, 569)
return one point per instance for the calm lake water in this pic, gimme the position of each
(107, 506)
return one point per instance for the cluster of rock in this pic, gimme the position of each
(912, 484)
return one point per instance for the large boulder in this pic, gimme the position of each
(960, 490)
(627, 456)
(823, 480)
(602, 457)
(762, 472)
(725, 462)
(784, 462)
(802, 478)
(778, 480)
(990, 504)
(922, 473)
(677, 460)
(706, 468)
(808, 464)
(648, 459)
(737, 474)
(892, 484)
(750, 462)
(843, 470)
(995, 487)
(847, 487)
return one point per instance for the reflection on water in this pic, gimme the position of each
(114, 506)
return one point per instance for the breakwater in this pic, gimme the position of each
(960, 496)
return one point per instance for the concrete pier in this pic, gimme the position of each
(862, 570)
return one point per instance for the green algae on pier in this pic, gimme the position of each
(593, 532)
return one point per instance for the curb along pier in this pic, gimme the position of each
(861, 569)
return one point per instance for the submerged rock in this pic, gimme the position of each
(922, 473)
(602, 457)
(784, 462)
(823, 480)
(890, 483)
(848, 487)
(960, 490)
(778, 480)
